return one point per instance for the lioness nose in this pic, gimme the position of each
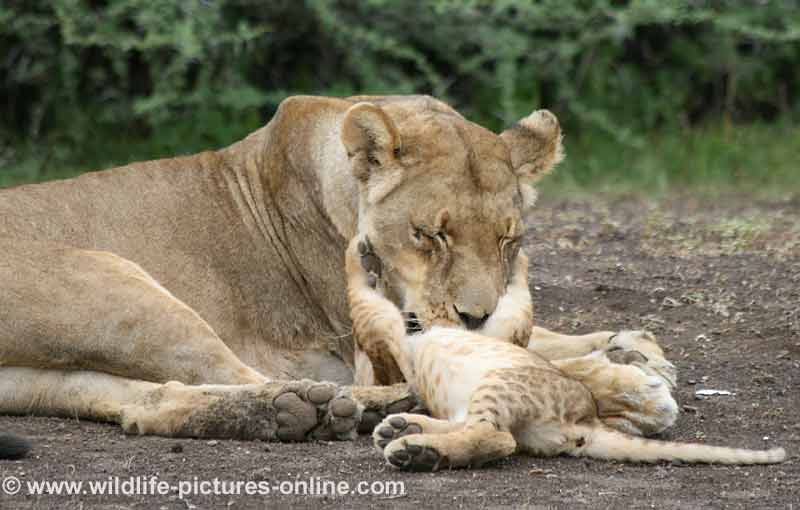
(471, 321)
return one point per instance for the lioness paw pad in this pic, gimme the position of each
(310, 410)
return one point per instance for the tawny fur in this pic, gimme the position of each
(492, 397)
(225, 268)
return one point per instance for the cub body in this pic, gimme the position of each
(489, 397)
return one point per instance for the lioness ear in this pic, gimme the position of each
(370, 137)
(535, 145)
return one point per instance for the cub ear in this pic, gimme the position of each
(535, 144)
(370, 138)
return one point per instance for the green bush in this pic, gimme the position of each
(178, 76)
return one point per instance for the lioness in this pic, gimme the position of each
(200, 296)
(489, 398)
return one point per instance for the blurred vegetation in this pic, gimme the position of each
(652, 94)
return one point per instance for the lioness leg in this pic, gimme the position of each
(381, 401)
(90, 310)
(551, 345)
(554, 346)
(294, 411)
(98, 313)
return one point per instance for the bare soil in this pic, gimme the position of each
(718, 280)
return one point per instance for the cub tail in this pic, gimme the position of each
(13, 447)
(601, 442)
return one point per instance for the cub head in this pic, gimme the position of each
(442, 202)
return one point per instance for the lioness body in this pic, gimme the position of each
(489, 397)
(222, 271)
(242, 236)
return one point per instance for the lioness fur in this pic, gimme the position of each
(220, 273)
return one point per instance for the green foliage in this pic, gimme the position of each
(73, 65)
(151, 78)
(710, 158)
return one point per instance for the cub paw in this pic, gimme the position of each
(393, 427)
(621, 357)
(311, 410)
(640, 348)
(406, 454)
(370, 262)
(645, 408)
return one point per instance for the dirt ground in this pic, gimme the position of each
(718, 280)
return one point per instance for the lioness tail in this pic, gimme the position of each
(605, 443)
(13, 447)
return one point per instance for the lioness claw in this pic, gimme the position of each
(404, 405)
(381, 401)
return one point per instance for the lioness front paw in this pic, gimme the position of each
(381, 401)
(311, 410)
(394, 426)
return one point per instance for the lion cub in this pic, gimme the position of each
(489, 397)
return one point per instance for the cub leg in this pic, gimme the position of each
(378, 326)
(630, 398)
(494, 410)
(378, 331)
(634, 392)
(474, 444)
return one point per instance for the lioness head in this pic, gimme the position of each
(442, 201)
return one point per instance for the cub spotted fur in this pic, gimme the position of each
(489, 397)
